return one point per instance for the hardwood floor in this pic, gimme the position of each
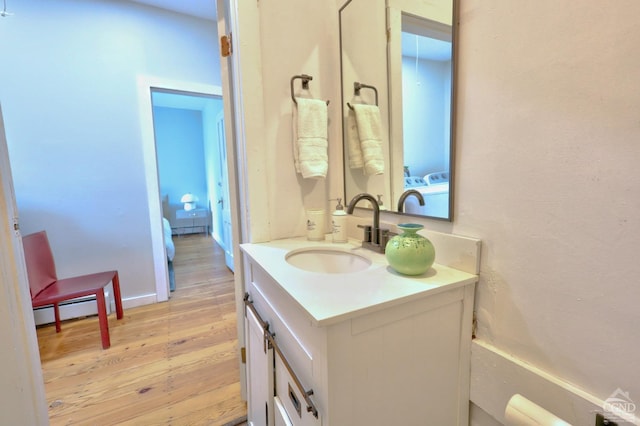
(172, 363)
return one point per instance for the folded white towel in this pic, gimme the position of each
(370, 135)
(310, 138)
(353, 142)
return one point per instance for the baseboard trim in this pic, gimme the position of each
(496, 376)
(134, 302)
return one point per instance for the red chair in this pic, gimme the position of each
(47, 289)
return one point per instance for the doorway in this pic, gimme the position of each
(216, 180)
(185, 148)
(192, 165)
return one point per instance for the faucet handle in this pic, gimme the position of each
(367, 232)
(385, 236)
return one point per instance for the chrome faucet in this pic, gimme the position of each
(405, 195)
(377, 239)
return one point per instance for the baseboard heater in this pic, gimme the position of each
(74, 308)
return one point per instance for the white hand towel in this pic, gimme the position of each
(353, 142)
(310, 138)
(370, 134)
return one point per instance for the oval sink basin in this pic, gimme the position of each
(328, 261)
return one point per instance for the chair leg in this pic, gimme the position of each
(56, 311)
(102, 318)
(117, 296)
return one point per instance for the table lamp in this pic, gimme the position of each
(189, 201)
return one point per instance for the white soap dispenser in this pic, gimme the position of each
(339, 224)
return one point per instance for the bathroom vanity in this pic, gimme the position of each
(370, 347)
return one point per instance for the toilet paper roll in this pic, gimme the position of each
(522, 412)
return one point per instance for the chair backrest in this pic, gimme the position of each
(41, 269)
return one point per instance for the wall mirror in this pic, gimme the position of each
(405, 48)
(363, 47)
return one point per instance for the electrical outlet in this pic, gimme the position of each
(602, 421)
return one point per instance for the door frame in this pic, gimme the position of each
(145, 85)
(22, 394)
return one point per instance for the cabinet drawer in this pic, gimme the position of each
(291, 398)
(191, 214)
(280, 413)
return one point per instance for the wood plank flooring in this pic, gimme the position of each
(172, 363)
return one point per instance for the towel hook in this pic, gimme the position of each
(305, 84)
(356, 90)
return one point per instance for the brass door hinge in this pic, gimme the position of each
(243, 355)
(226, 46)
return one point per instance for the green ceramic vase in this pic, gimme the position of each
(410, 253)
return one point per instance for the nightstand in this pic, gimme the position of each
(192, 221)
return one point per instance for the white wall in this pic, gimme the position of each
(307, 44)
(547, 146)
(180, 150)
(68, 88)
(548, 136)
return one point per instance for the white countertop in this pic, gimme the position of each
(330, 298)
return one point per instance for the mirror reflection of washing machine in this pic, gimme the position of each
(434, 187)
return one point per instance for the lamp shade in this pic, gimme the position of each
(189, 201)
(188, 198)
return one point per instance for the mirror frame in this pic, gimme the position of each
(394, 16)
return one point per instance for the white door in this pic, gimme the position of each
(259, 374)
(23, 399)
(223, 204)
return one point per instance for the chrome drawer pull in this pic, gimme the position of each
(294, 400)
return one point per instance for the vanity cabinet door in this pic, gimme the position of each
(259, 374)
(280, 413)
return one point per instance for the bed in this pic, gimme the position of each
(171, 252)
(168, 242)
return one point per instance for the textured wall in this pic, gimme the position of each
(548, 135)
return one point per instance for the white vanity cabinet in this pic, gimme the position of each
(404, 361)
